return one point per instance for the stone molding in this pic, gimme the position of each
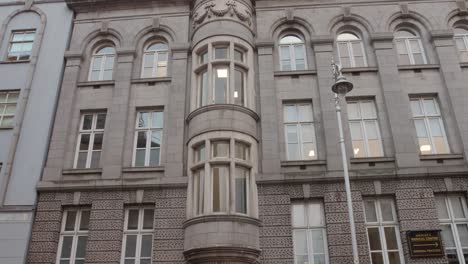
(222, 218)
(230, 9)
(222, 107)
(222, 255)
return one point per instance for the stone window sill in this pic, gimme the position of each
(15, 62)
(295, 163)
(464, 64)
(143, 169)
(360, 69)
(371, 160)
(441, 157)
(419, 67)
(6, 127)
(151, 81)
(294, 73)
(96, 84)
(81, 171)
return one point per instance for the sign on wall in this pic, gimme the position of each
(425, 244)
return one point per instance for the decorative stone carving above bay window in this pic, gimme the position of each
(205, 11)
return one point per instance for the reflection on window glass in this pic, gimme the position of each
(148, 138)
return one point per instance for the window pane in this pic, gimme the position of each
(84, 224)
(149, 60)
(285, 58)
(371, 215)
(305, 113)
(415, 47)
(141, 139)
(315, 214)
(374, 238)
(220, 149)
(204, 57)
(387, 211)
(143, 119)
(298, 215)
(148, 219)
(95, 158)
(81, 247)
(420, 128)
(200, 153)
(203, 93)
(447, 236)
(70, 222)
(416, 108)
(146, 246)
(156, 138)
(441, 206)
(291, 134)
(308, 151)
(375, 148)
(130, 246)
(353, 111)
(371, 129)
(425, 146)
(10, 109)
(81, 162)
(401, 47)
(87, 122)
(221, 53)
(307, 131)
(129, 261)
(97, 144)
(463, 234)
(221, 83)
(293, 152)
(394, 257)
(440, 145)
(107, 75)
(84, 141)
(377, 258)
(155, 155)
(239, 88)
(140, 157)
(101, 121)
(220, 189)
(355, 128)
(300, 242)
(242, 151)
(132, 219)
(290, 113)
(66, 247)
(368, 109)
(436, 128)
(391, 238)
(357, 48)
(430, 107)
(299, 53)
(316, 236)
(238, 55)
(302, 259)
(158, 120)
(359, 149)
(97, 63)
(241, 190)
(457, 207)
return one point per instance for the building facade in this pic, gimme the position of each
(205, 132)
(33, 38)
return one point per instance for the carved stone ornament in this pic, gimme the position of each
(222, 9)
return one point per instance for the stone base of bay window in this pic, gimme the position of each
(222, 255)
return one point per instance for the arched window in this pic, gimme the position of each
(102, 64)
(461, 39)
(350, 50)
(155, 60)
(292, 53)
(409, 47)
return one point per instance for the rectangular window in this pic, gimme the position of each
(242, 151)
(198, 191)
(138, 236)
(202, 96)
(21, 45)
(73, 236)
(221, 78)
(429, 126)
(309, 233)
(242, 186)
(364, 127)
(8, 101)
(148, 138)
(90, 138)
(239, 86)
(220, 149)
(220, 188)
(299, 131)
(383, 232)
(221, 53)
(453, 217)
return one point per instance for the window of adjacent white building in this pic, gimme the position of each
(383, 232)
(221, 77)
(364, 127)
(453, 218)
(228, 163)
(73, 236)
(138, 236)
(429, 126)
(409, 47)
(90, 138)
(461, 39)
(21, 45)
(351, 50)
(148, 138)
(292, 53)
(299, 131)
(8, 101)
(309, 233)
(102, 64)
(155, 60)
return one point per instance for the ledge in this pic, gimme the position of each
(96, 83)
(464, 64)
(222, 218)
(294, 163)
(360, 69)
(294, 73)
(213, 107)
(143, 169)
(441, 157)
(371, 160)
(419, 67)
(15, 62)
(6, 127)
(152, 80)
(81, 171)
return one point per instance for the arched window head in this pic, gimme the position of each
(292, 53)
(102, 64)
(409, 47)
(155, 60)
(350, 50)
(461, 39)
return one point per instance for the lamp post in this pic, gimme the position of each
(341, 87)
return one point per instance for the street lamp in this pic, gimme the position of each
(341, 87)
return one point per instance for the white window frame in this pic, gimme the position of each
(11, 42)
(309, 228)
(292, 52)
(298, 124)
(409, 50)
(156, 62)
(6, 103)
(362, 122)
(104, 57)
(426, 117)
(92, 132)
(452, 222)
(381, 224)
(349, 45)
(149, 131)
(75, 233)
(139, 232)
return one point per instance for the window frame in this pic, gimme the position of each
(349, 45)
(292, 52)
(139, 232)
(104, 57)
(155, 63)
(75, 233)
(11, 42)
(92, 132)
(5, 104)
(463, 37)
(409, 50)
(148, 130)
